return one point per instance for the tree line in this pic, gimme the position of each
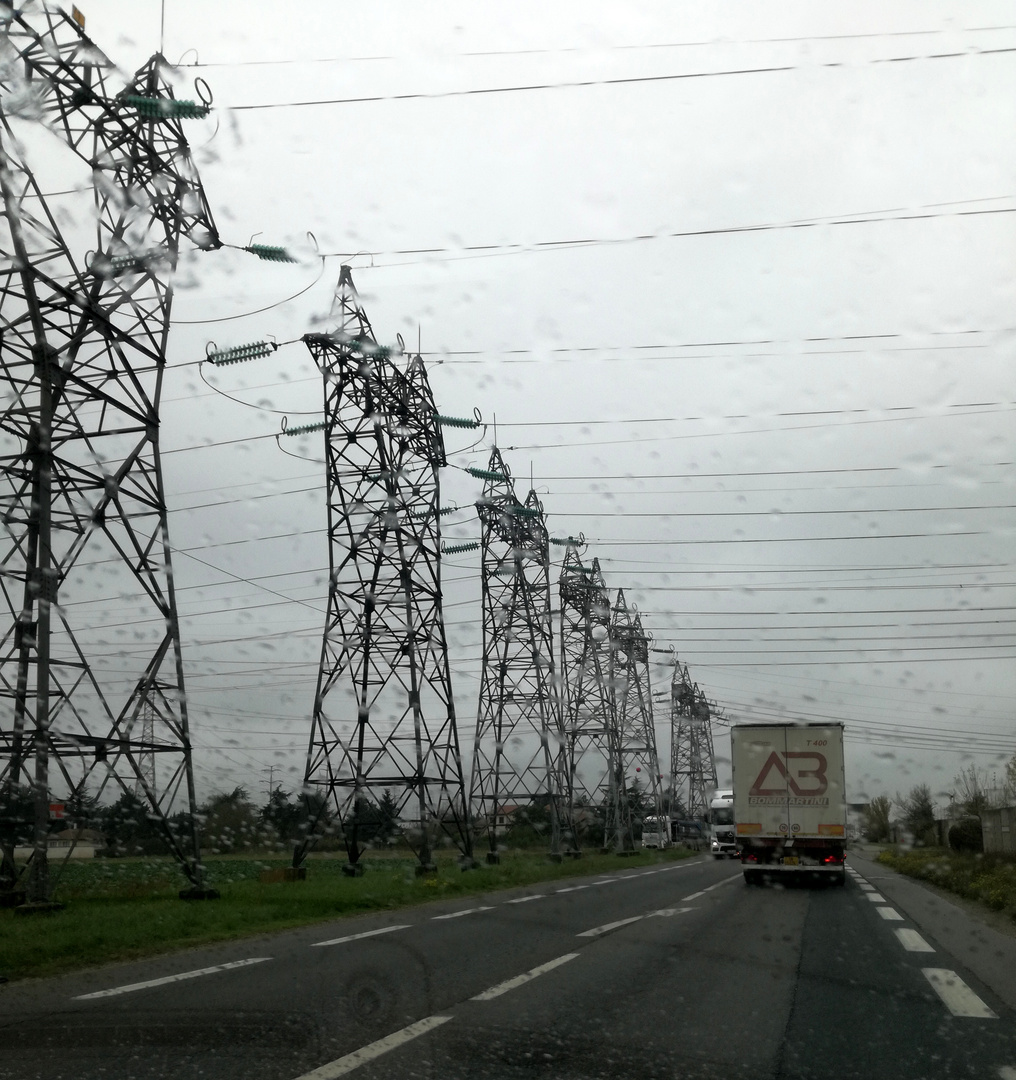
(228, 822)
(232, 822)
(973, 792)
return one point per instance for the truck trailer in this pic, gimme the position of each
(790, 810)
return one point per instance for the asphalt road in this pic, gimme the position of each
(680, 971)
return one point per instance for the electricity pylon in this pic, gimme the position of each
(519, 748)
(589, 713)
(92, 642)
(384, 716)
(635, 738)
(692, 760)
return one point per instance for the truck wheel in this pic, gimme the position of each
(751, 877)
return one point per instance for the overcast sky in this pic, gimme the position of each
(736, 284)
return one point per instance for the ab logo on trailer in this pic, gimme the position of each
(793, 774)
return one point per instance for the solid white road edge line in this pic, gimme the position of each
(607, 927)
(357, 937)
(519, 980)
(458, 914)
(912, 941)
(958, 998)
(373, 1050)
(702, 892)
(890, 914)
(166, 979)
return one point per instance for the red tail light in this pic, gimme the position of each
(834, 859)
(746, 856)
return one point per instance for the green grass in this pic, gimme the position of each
(986, 879)
(125, 909)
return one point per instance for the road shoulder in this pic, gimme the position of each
(959, 927)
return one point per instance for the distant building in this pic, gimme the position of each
(72, 843)
(505, 815)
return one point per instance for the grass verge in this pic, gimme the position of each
(987, 879)
(128, 909)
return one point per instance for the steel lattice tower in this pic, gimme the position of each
(384, 716)
(692, 761)
(519, 748)
(81, 488)
(635, 738)
(589, 717)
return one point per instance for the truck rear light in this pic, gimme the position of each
(834, 859)
(747, 856)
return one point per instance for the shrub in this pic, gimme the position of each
(966, 835)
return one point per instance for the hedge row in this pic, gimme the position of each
(987, 879)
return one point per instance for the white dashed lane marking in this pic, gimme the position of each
(167, 979)
(459, 914)
(702, 892)
(525, 899)
(912, 941)
(607, 927)
(890, 914)
(373, 1050)
(875, 898)
(573, 888)
(519, 980)
(357, 937)
(957, 997)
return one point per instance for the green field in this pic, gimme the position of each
(124, 909)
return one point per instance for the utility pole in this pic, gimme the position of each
(271, 780)
(81, 488)
(519, 747)
(384, 716)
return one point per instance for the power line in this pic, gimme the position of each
(671, 437)
(618, 81)
(645, 46)
(480, 251)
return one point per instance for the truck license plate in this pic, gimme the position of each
(790, 860)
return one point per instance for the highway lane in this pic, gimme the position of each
(679, 972)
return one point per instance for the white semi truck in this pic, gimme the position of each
(722, 841)
(790, 810)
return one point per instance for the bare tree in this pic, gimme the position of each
(918, 810)
(876, 819)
